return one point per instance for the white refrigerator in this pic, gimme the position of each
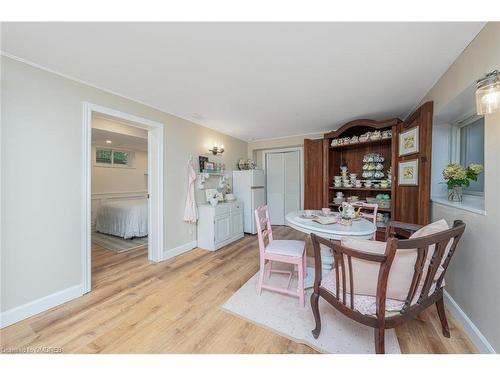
(248, 187)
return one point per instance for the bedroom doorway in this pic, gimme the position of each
(123, 189)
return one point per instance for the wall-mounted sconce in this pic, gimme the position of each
(217, 149)
(488, 93)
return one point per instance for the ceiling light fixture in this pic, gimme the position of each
(217, 149)
(108, 141)
(488, 93)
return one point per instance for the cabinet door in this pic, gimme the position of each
(222, 227)
(313, 174)
(412, 201)
(236, 223)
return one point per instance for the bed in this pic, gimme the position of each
(126, 219)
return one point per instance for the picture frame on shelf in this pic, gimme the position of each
(201, 161)
(409, 142)
(408, 172)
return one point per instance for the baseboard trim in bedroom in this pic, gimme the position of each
(474, 333)
(39, 305)
(179, 250)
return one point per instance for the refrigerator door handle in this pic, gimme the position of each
(257, 187)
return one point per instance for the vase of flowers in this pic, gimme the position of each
(457, 176)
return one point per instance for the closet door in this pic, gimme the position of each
(275, 176)
(292, 181)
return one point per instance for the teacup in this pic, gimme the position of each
(309, 212)
(339, 194)
(326, 211)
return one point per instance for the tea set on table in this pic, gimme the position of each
(345, 216)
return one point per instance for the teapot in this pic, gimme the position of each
(347, 211)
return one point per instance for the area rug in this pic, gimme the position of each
(118, 244)
(282, 315)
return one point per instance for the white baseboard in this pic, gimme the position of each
(474, 333)
(179, 250)
(37, 306)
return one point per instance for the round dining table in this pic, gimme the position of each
(362, 229)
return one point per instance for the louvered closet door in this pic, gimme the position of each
(283, 184)
(292, 181)
(275, 183)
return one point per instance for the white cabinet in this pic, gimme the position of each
(219, 225)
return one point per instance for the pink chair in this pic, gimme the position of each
(285, 251)
(371, 216)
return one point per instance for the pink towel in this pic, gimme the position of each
(191, 211)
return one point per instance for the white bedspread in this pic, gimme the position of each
(127, 218)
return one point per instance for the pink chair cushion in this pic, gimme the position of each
(436, 227)
(402, 269)
(291, 248)
(365, 273)
(366, 305)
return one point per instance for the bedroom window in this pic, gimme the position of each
(113, 158)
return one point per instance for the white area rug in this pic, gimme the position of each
(118, 244)
(282, 314)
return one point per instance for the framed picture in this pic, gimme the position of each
(202, 160)
(408, 142)
(408, 172)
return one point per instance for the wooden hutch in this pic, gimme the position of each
(322, 161)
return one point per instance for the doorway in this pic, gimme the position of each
(284, 176)
(154, 181)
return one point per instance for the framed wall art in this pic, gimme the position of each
(408, 172)
(408, 142)
(202, 160)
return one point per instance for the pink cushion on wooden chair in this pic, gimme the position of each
(291, 248)
(365, 273)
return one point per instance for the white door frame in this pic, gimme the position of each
(301, 160)
(155, 185)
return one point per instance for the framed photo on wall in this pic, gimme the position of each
(408, 172)
(408, 142)
(202, 160)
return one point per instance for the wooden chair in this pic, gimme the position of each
(285, 251)
(341, 293)
(371, 215)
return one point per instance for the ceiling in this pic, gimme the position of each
(118, 140)
(252, 80)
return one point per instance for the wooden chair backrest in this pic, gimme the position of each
(264, 229)
(343, 261)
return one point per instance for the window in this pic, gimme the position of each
(114, 158)
(471, 140)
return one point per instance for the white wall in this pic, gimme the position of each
(441, 149)
(42, 177)
(106, 179)
(473, 279)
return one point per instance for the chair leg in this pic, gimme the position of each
(305, 264)
(442, 317)
(300, 269)
(269, 269)
(380, 340)
(261, 275)
(315, 308)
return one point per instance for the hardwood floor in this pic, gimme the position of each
(174, 307)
